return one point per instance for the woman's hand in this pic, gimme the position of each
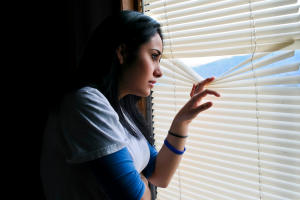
(199, 87)
(193, 107)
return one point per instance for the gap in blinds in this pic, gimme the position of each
(247, 146)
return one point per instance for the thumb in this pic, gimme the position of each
(204, 106)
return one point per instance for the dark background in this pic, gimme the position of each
(53, 36)
(45, 46)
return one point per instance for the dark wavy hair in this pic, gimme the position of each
(99, 67)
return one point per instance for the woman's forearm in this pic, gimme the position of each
(167, 161)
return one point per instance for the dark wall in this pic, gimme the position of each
(58, 40)
(88, 15)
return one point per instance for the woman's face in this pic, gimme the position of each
(139, 77)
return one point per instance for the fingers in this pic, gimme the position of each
(193, 91)
(203, 107)
(201, 85)
(202, 94)
(208, 80)
(205, 92)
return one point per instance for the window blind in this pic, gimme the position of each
(247, 146)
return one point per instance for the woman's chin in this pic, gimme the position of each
(144, 93)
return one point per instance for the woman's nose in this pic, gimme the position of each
(158, 73)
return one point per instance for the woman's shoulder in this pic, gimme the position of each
(88, 127)
(87, 101)
(86, 95)
(89, 92)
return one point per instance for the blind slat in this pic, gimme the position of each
(239, 26)
(246, 172)
(271, 177)
(162, 196)
(240, 83)
(277, 108)
(257, 8)
(259, 73)
(268, 132)
(232, 19)
(281, 56)
(283, 172)
(172, 6)
(191, 187)
(237, 121)
(173, 191)
(263, 72)
(196, 7)
(167, 80)
(248, 158)
(162, 129)
(228, 145)
(233, 191)
(274, 192)
(237, 180)
(276, 116)
(159, 3)
(280, 108)
(234, 42)
(234, 34)
(169, 73)
(171, 67)
(261, 82)
(244, 156)
(178, 63)
(211, 188)
(263, 90)
(248, 60)
(290, 45)
(171, 194)
(189, 192)
(182, 98)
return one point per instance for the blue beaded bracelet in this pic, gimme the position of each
(173, 149)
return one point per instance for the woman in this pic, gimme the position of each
(97, 144)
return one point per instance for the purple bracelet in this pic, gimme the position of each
(173, 149)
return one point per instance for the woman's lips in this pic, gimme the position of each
(152, 83)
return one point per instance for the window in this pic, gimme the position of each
(247, 146)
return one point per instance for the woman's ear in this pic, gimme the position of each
(120, 53)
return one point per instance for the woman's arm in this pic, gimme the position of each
(118, 177)
(166, 161)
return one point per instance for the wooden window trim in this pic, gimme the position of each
(131, 5)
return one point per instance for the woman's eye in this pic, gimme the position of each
(154, 56)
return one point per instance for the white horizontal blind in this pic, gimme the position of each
(247, 146)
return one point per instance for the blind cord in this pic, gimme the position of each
(253, 34)
(174, 82)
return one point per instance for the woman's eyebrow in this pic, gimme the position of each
(159, 53)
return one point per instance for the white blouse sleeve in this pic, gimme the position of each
(88, 127)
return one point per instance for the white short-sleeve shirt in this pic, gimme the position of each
(86, 128)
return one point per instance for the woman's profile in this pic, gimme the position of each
(97, 144)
